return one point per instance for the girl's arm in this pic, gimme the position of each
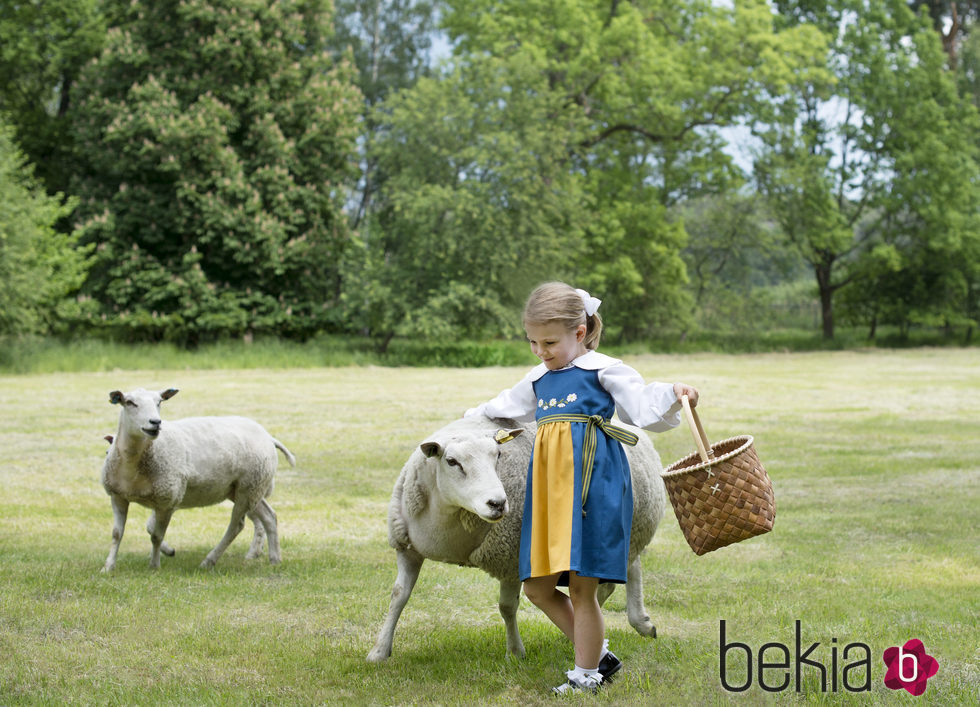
(654, 406)
(518, 403)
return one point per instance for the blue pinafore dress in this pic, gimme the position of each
(576, 518)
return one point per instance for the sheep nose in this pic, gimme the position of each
(499, 505)
(155, 422)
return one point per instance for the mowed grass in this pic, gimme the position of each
(873, 456)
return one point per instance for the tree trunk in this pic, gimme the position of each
(826, 290)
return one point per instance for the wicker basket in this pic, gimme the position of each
(721, 494)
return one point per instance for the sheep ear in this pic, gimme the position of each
(168, 393)
(115, 397)
(431, 449)
(503, 436)
(108, 438)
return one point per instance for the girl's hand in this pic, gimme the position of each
(684, 389)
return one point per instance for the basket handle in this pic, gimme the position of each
(697, 431)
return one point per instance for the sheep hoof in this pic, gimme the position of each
(167, 550)
(378, 656)
(645, 627)
(207, 564)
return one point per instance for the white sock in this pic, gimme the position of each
(585, 672)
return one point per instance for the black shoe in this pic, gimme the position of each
(609, 666)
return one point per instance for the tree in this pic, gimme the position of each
(930, 215)
(951, 19)
(733, 249)
(611, 110)
(43, 45)
(478, 205)
(389, 41)
(217, 140)
(39, 267)
(875, 157)
(968, 67)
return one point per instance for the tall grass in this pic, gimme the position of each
(873, 455)
(50, 355)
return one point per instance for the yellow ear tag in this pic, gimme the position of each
(502, 436)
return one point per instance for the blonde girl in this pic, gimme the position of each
(578, 505)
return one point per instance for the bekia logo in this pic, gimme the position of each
(909, 667)
(778, 666)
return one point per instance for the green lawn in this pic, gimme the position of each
(873, 456)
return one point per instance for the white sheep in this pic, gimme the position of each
(458, 499)
(258, 530)
(188, 463)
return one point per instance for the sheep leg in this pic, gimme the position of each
(120, 509)
(266, 520)
(234, 528)
(636, 612)
(409, 564)
(162, 520)
(150, 525)
(510, 598)
(258, 537)
(604, 591)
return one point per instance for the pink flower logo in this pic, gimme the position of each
(909, 667)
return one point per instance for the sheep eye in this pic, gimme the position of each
(451, 462)
(130, 403)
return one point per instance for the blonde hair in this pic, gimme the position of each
(558, 302)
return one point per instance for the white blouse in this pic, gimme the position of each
(652, 406)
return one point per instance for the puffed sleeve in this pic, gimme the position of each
(652, 406)
(517, 403)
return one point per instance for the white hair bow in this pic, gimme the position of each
(591, 303)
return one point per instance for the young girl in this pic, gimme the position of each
(578, 507)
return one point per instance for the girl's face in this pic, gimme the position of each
(556, 345)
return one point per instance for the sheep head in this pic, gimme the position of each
(466, 474)
(141, 410)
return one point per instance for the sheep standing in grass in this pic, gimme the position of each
(258, 530)
(458, 499)
(197, 461)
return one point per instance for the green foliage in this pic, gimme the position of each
(733, 245)
(968, 68)
(233, 180)
(216, 138)
(551, 146)
(43, 46)
(39, 266)
(931, 215)
(478, 204)
(879, 157)
(33, 354)
(389, 41)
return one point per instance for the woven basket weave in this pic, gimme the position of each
(721, 494)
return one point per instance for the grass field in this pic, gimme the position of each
(873, 456)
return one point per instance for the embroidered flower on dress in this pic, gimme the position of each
(555, 403)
